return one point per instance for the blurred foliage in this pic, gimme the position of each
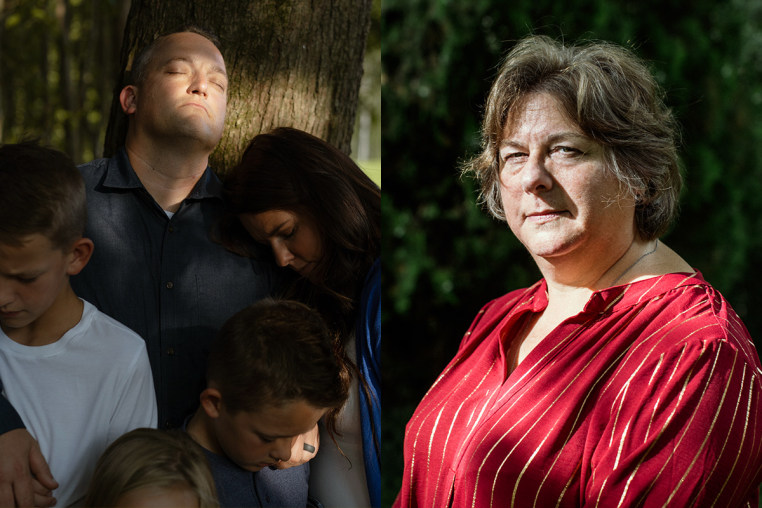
(444, 258)
(58, 66)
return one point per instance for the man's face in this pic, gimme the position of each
(184, 91)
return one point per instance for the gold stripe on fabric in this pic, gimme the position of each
(581, 408)
(659, 334)
(714, 418)
(434, 404)
(566, 487)
(656, 369)
(520, 392)
(412, 464)
(751, 423)
(729, 474)
(625, 388)
(643, 456)
(620, 396)
(526, 414)
(573, 426)
(621, 444)
(444, 449)
(662, 334)
(648, 291)
(426, 414)
(738, 334)
(651, 420)
(616, 300)
(745, 429)
(559, 345)
(470, 330)
(431, 438)
(472, 428)
(658, 399)
(688, 377)
(646, 356)
(600, 492)
(521, 474)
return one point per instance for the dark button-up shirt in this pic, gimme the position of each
(165, 277)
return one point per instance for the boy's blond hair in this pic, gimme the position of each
(151, 458)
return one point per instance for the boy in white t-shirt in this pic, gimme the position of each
(77, 378)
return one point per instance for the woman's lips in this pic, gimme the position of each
(545, 216)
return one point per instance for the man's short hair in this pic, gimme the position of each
(142, 61)
(42, 192)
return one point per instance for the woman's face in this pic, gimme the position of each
(293, 238)
(558, 197)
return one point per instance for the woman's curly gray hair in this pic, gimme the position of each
(612, 96)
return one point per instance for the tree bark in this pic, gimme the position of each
(290, 63)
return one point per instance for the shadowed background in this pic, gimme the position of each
(443, 257)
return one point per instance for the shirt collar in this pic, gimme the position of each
(620, 296)
(631, 294)
(121, 175)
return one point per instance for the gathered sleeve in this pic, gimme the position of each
(683, 430)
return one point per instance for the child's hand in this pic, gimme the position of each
(24, 474)
(305, 447)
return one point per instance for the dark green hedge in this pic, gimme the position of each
(444, 258)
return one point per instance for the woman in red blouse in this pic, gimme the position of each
(622, 378)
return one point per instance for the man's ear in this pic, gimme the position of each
(211, 402)
(79, 255)
(128, 98)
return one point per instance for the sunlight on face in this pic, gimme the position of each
(558, 196)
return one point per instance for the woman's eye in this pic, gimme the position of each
(508, 156)
(566, 150)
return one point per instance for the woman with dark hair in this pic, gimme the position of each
(321, 216)
(622, 378)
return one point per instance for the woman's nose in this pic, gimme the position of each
(534, 175)
(282, 255)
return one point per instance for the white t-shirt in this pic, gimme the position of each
(338, 481)
(79, 394)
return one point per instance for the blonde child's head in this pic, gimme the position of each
(149, 465)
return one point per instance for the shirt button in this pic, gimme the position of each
(170, 285)
(171, 229)
(170, 351)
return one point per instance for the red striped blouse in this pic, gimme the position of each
(649, 397)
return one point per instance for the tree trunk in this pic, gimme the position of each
(290, 63)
